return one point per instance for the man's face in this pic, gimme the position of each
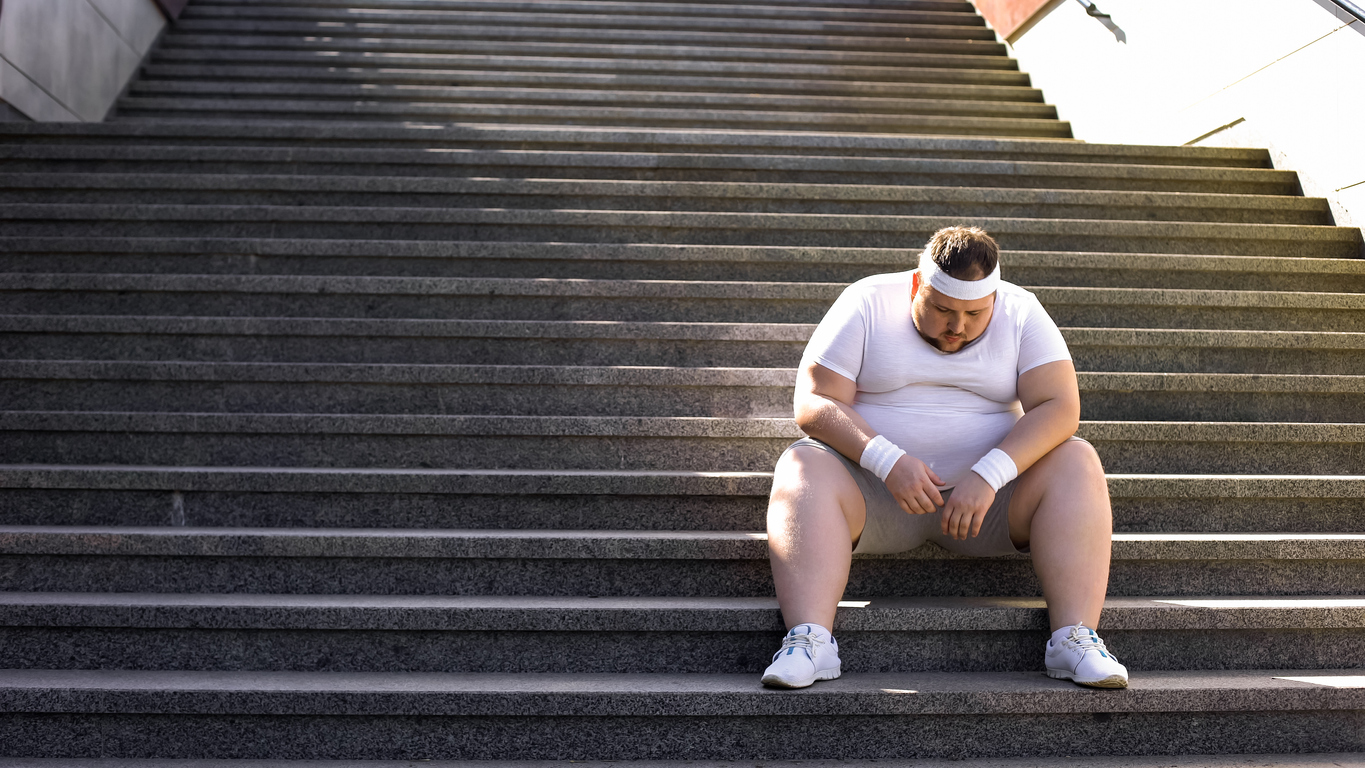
(947, 323)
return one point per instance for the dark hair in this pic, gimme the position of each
(963, 251)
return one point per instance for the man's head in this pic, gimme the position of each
(964, 254)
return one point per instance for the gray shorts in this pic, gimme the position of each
(890, 529)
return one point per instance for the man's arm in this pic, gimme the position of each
(1052, 412)
(1051, 400)
(824, 410)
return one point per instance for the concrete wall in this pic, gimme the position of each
(1284, 74)
(68, 60)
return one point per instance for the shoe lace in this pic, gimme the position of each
(810, 643)
(1085, 639)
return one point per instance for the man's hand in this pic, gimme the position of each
(911, 483)
(967, 507)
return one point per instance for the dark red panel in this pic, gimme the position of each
(1007, 16)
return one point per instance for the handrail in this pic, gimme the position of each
(1350, 6)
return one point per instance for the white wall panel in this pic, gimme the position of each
(73, 51)
(1286, 71)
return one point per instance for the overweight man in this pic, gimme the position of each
(940, 405)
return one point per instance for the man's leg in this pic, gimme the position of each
(1060, 508)
(815, 514)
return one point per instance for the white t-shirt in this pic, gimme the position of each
(945, 409)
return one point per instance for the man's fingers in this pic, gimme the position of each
(935, 496)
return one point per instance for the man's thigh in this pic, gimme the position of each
(1073, 465)
(814, 477)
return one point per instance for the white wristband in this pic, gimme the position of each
(880, 456)
(996, 468)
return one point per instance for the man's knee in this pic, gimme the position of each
(1072, 460)
(819, 479)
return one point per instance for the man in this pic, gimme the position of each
(940, 406)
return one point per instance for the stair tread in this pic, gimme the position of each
(538, 158)
(175, 541)
(689, 289)
(683, 694)
(603, 481)
(650, 614)
(314, 133)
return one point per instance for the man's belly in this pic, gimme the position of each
(950, 442)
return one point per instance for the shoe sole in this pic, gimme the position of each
(777, 682)
(1113, 681)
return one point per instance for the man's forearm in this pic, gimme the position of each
(834, 424)
(1040, 430)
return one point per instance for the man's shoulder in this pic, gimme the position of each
(885, 278)
(1012, 296)
(887, 281)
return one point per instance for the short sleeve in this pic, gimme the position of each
(1040, 340)
(837, 343)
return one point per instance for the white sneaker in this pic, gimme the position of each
(1080, 656)
(808, 653)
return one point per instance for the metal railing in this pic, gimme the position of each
(1354, 8)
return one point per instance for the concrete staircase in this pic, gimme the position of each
(402, 379)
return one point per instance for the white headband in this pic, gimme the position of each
(966, 290)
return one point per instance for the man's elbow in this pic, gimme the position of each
(1072, 415)
(806, 410)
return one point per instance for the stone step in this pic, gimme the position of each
(363, 633)
(645, 196)
(629, 563)
(495, 100)
(906, 12)
(626, 300)
(174, 62)
(303, 137)
(708, 716)
(765, 263)
(721, 6)
(679, 47)
(590, 500)
(762, 22)
(648, 166)
(606, 391)
(1320, 760)
(602, 442)
(691, 344)
(954, 40)
(390, 74)
(695, 227)
(755, 116)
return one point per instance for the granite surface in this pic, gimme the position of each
(508, 481)
(678, 695)
(1321, 760)
(641, 651)
(712, 738)
(591, 545)
(709, 227)
(915, 577)
(616, 738)
(668, 614)
(636, 261)
(403, 509)
(465, 135)
(475, 481)
(380, 191)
